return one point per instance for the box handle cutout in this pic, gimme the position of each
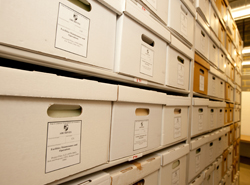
(181, 60)
(147, 40)
(141, 112)
(141, 182)
(219, 138)
(176, 164)
(85, 182)
(214, 47)
(198, 150)
(201, 71)
(225, 110)
(200, 110)
(84, 4)
(222, 55)
(221, 83)
(211, 144)
(183, 9)
(212, 110)
(213, 78)
(220, 110)
(218, 167)
(203, 34)
(64, 111)
(208, 177)
(177, 111)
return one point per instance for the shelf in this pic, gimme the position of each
(80, 68)
(207, 96)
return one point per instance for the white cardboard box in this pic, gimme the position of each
(173, 165)
(220, 142)
(202, 7)
(144, 170)
(70, 32)
(226, 137)
(139, 53)
(212, 114)
(55, 117)
(214, 19)
(178, 64)
(209, 175)
(211, 148)
(220, 114)
(199, 116)
(201, 40)
(213, 82)
(197, 156)
(181, 21)
(230, 156)
(136, 122)
(213, 52)
(98, 178)
(175, 119)
(217, 170)
(222, 61)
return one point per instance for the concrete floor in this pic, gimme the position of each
(244, 171)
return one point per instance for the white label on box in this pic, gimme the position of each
(200, 122)
(72, 31)
(197, 163)
(184, 23)
(147, 61)
(177, 127)
(211, 120)
(141, 134)
(180, 74)
(63, 145)
(176, 177)
(153, 3)
(202, 81)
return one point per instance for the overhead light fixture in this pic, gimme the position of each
(246, 50)
(246, 63)
(241, 12)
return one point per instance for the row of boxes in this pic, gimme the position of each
(207, 115)
(205, 149)
(160, 168)
(82, 124)
(73, 37)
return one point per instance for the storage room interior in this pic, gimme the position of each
(125, 92)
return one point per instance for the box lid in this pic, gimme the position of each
(230, 82)
(190, 6)
(219, 160)
(178, 101)
(197, 142)
(99, 178)
(201, 61)
(136, 95)
(208, 171)
(200, 101)
(202, 23)
(130, 172)
(214, 39)
(117, 6)
(223, 49)
(216, 104)
(180, 47)
(15, 82)
(218, 73)
(173, 153)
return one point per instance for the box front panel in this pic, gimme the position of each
(199, 124)
(181, 20)
(201, 41)
(200, 79)
(203, 6)
(213, 53)
(145, 56)
(135, 128)
(68, 137)
(177, 69)
(214, 21)
(71, 30)
(220, 117)
(217, 173)
(174, 172)
(212, 85)
(175, 124)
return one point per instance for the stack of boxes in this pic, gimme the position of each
(151, 130)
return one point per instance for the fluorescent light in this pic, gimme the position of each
(246, 50)
(242, 12)
(246, 63)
